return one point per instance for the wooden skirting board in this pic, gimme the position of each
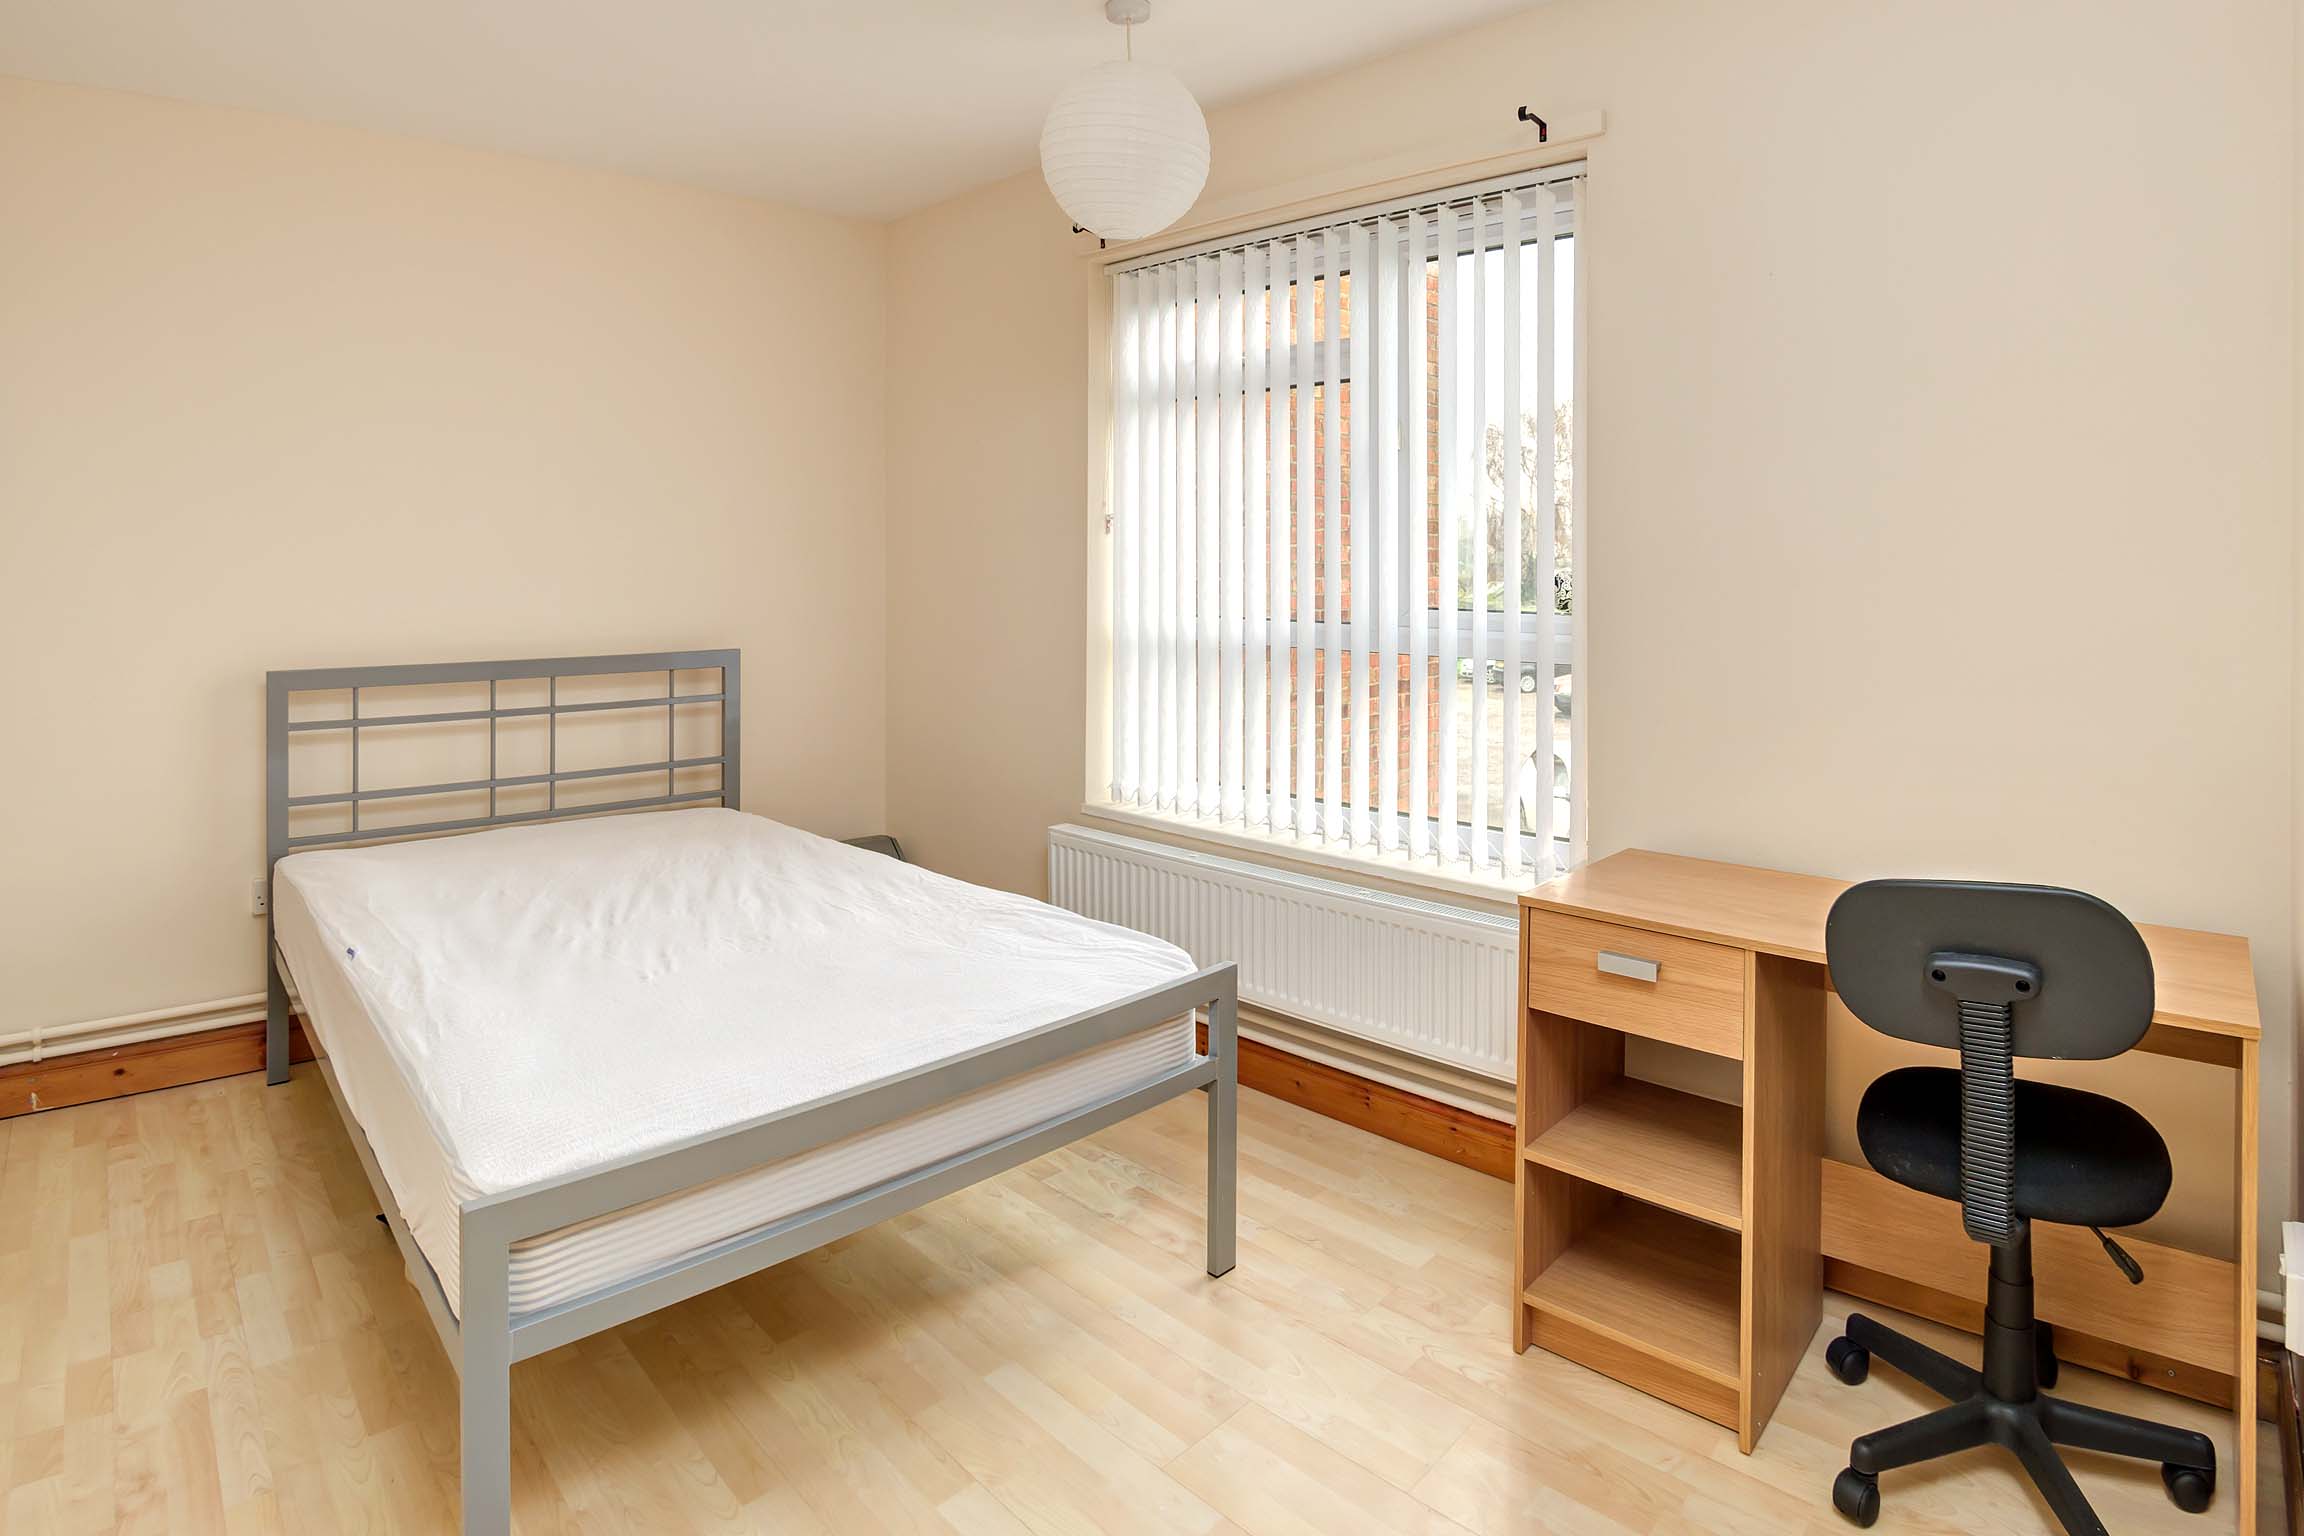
(82, 1077)
(1458, 1135)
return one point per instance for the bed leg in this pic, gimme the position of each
(1224, 1131)
(275, 1015)
(484, 1335)
(487, 1444)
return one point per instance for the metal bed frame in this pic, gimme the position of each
(480, 1333)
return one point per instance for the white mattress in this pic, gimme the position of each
(516, 1004)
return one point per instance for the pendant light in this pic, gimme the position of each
(1125, 148)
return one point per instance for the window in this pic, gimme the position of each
(1345, 506)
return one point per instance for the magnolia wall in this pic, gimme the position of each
(1943, 422)
(280, 394)
(1942, 495)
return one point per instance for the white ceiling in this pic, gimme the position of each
(867, 109)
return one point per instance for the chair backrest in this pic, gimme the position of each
(2090, 996)
(1993, 972)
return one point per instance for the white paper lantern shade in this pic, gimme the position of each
(1125, 150)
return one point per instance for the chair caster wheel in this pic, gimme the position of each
(1849, 1361)
(1857, 1496)
(2192, 1488)
(2044, 1352)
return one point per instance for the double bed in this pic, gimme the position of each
(601, 1054)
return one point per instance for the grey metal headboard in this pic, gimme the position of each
(279, 728)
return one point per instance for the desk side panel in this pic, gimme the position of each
(1783, 1276)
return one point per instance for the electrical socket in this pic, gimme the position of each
(259, 898)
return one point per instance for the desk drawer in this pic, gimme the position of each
(1682, 991)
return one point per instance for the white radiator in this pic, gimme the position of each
(1431, 980)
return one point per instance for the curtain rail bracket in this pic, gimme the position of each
(1543, 129)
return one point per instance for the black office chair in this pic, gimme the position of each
(1997, 972)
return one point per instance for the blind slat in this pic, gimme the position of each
(1476, 469)
(1415, 420)
(1452, 455)
(1125, 621)
(1578, 816)
(1171, 566)
(1307, 587)
(1384, 348)
(1276, 464)
(1540, 750)
(1149, 595)
(1229, 531)
(1359, 521)
(1187, 618)
(1331, 539)
(1515, 596)
(1255, 514)
(1207, 558)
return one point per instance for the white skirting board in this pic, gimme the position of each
(1429, 980)
(43, 1042)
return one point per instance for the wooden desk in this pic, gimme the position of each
(1682, 1245)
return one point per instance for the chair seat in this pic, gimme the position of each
(2081, 1159)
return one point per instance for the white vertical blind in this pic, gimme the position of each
(1539, 806)
(1280, 376)
(1255, 648)
(1162, 627)
(1515, 594)
(1332, 786)
(1384, 549)
(1125, 550)
(1304, 662)
(1579, 832)
(1335, 517)
(1452, 457)
(1149, 594)
(1231, 532)
(1476, 516)
(1185, 623)
(1206, 559)
(1415, 415)
(1360, 587)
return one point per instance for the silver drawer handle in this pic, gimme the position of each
(1631, 966)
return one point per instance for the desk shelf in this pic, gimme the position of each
(1650, 1297)
(1668, 1148)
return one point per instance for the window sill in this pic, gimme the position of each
(1494, 890)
